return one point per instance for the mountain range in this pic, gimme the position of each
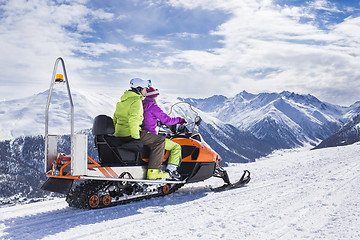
(279, 120)
(240, 128)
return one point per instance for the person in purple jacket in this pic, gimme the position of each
(152, 113)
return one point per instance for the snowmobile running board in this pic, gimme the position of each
(133, 180)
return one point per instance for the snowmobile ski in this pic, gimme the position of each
(245, 179)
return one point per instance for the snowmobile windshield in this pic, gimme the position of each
(189, 113)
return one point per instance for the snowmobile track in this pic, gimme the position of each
(79, 196)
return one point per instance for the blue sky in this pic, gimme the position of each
(188, 48)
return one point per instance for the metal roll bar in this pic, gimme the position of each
(49, 97)
(51, 140)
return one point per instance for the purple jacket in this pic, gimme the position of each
(152, 112)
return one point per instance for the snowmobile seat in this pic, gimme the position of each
(111, 149)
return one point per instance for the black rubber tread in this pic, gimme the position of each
(78, 197)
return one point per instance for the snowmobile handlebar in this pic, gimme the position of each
(179, 129)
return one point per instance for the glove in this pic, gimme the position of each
(182, 121)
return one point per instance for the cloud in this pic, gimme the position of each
(157, 43)
(253, 45)
(96, 49)
(323, 5)
(34, 33)
(283, 52)
(186, 35)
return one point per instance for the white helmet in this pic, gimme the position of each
(138, 82)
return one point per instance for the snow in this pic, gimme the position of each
(26, 116)
(294, 194)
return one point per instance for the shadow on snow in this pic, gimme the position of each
(53, 222)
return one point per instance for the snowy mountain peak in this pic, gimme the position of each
(26, 116)
(207, 104)
(244, 96)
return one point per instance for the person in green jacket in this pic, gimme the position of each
(128, 118)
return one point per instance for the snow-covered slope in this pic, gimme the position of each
(297, 194)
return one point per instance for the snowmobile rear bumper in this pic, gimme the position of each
(59, 185)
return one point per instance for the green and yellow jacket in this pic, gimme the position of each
(128, 115)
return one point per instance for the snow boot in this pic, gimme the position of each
(172, 170)
(156, 174)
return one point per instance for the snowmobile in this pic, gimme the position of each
(119, 174)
